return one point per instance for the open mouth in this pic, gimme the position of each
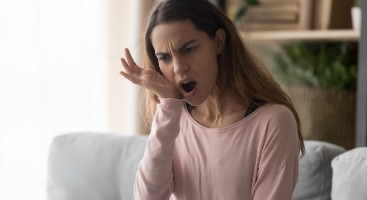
(188, 86)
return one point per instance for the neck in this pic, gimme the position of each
(211, 114)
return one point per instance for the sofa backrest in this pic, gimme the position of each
(97, 166)
(93, 166)
(315, 173)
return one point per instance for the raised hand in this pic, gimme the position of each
(148, 78)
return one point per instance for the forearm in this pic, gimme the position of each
(154, 179)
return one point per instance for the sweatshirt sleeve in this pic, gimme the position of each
(278, 166)
(154, 179)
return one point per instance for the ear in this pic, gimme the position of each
(220, 40)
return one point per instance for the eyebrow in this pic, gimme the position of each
(184, 46)
(181, 48)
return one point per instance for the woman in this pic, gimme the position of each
(222, 128)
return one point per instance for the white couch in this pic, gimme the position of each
(95, 166)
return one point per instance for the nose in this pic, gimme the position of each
(180, 65)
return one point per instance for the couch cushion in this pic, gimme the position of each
(93, 166)
(315, 173)
(350, 175)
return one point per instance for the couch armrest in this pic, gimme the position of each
(93, 166)
(350, 175)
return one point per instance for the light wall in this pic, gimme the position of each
(126, 25)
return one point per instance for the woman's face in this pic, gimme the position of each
(187, 57)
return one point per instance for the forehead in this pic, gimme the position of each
(175, 33)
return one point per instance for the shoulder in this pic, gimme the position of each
(275, 112)
(277, 121)
(280, 130)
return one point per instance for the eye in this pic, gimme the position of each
(163, 58)
(189, 49)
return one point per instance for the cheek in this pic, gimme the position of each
(213, 57)
(214, 64)
(167, 72)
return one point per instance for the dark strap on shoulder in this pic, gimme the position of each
(255, 104)
(189, 107)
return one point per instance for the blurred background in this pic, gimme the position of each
(59, 73)
(60, 63)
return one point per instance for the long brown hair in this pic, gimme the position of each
(239, 70)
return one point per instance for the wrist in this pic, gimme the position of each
(172, 94)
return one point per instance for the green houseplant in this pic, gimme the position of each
(320, 78)
(329, 65)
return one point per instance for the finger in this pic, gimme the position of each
(129, 58)
(126, 66)
(131, 61)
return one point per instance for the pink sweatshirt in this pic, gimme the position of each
(255, 158)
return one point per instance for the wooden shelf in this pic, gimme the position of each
(310, 35)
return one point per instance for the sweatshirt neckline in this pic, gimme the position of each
(221, 129)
